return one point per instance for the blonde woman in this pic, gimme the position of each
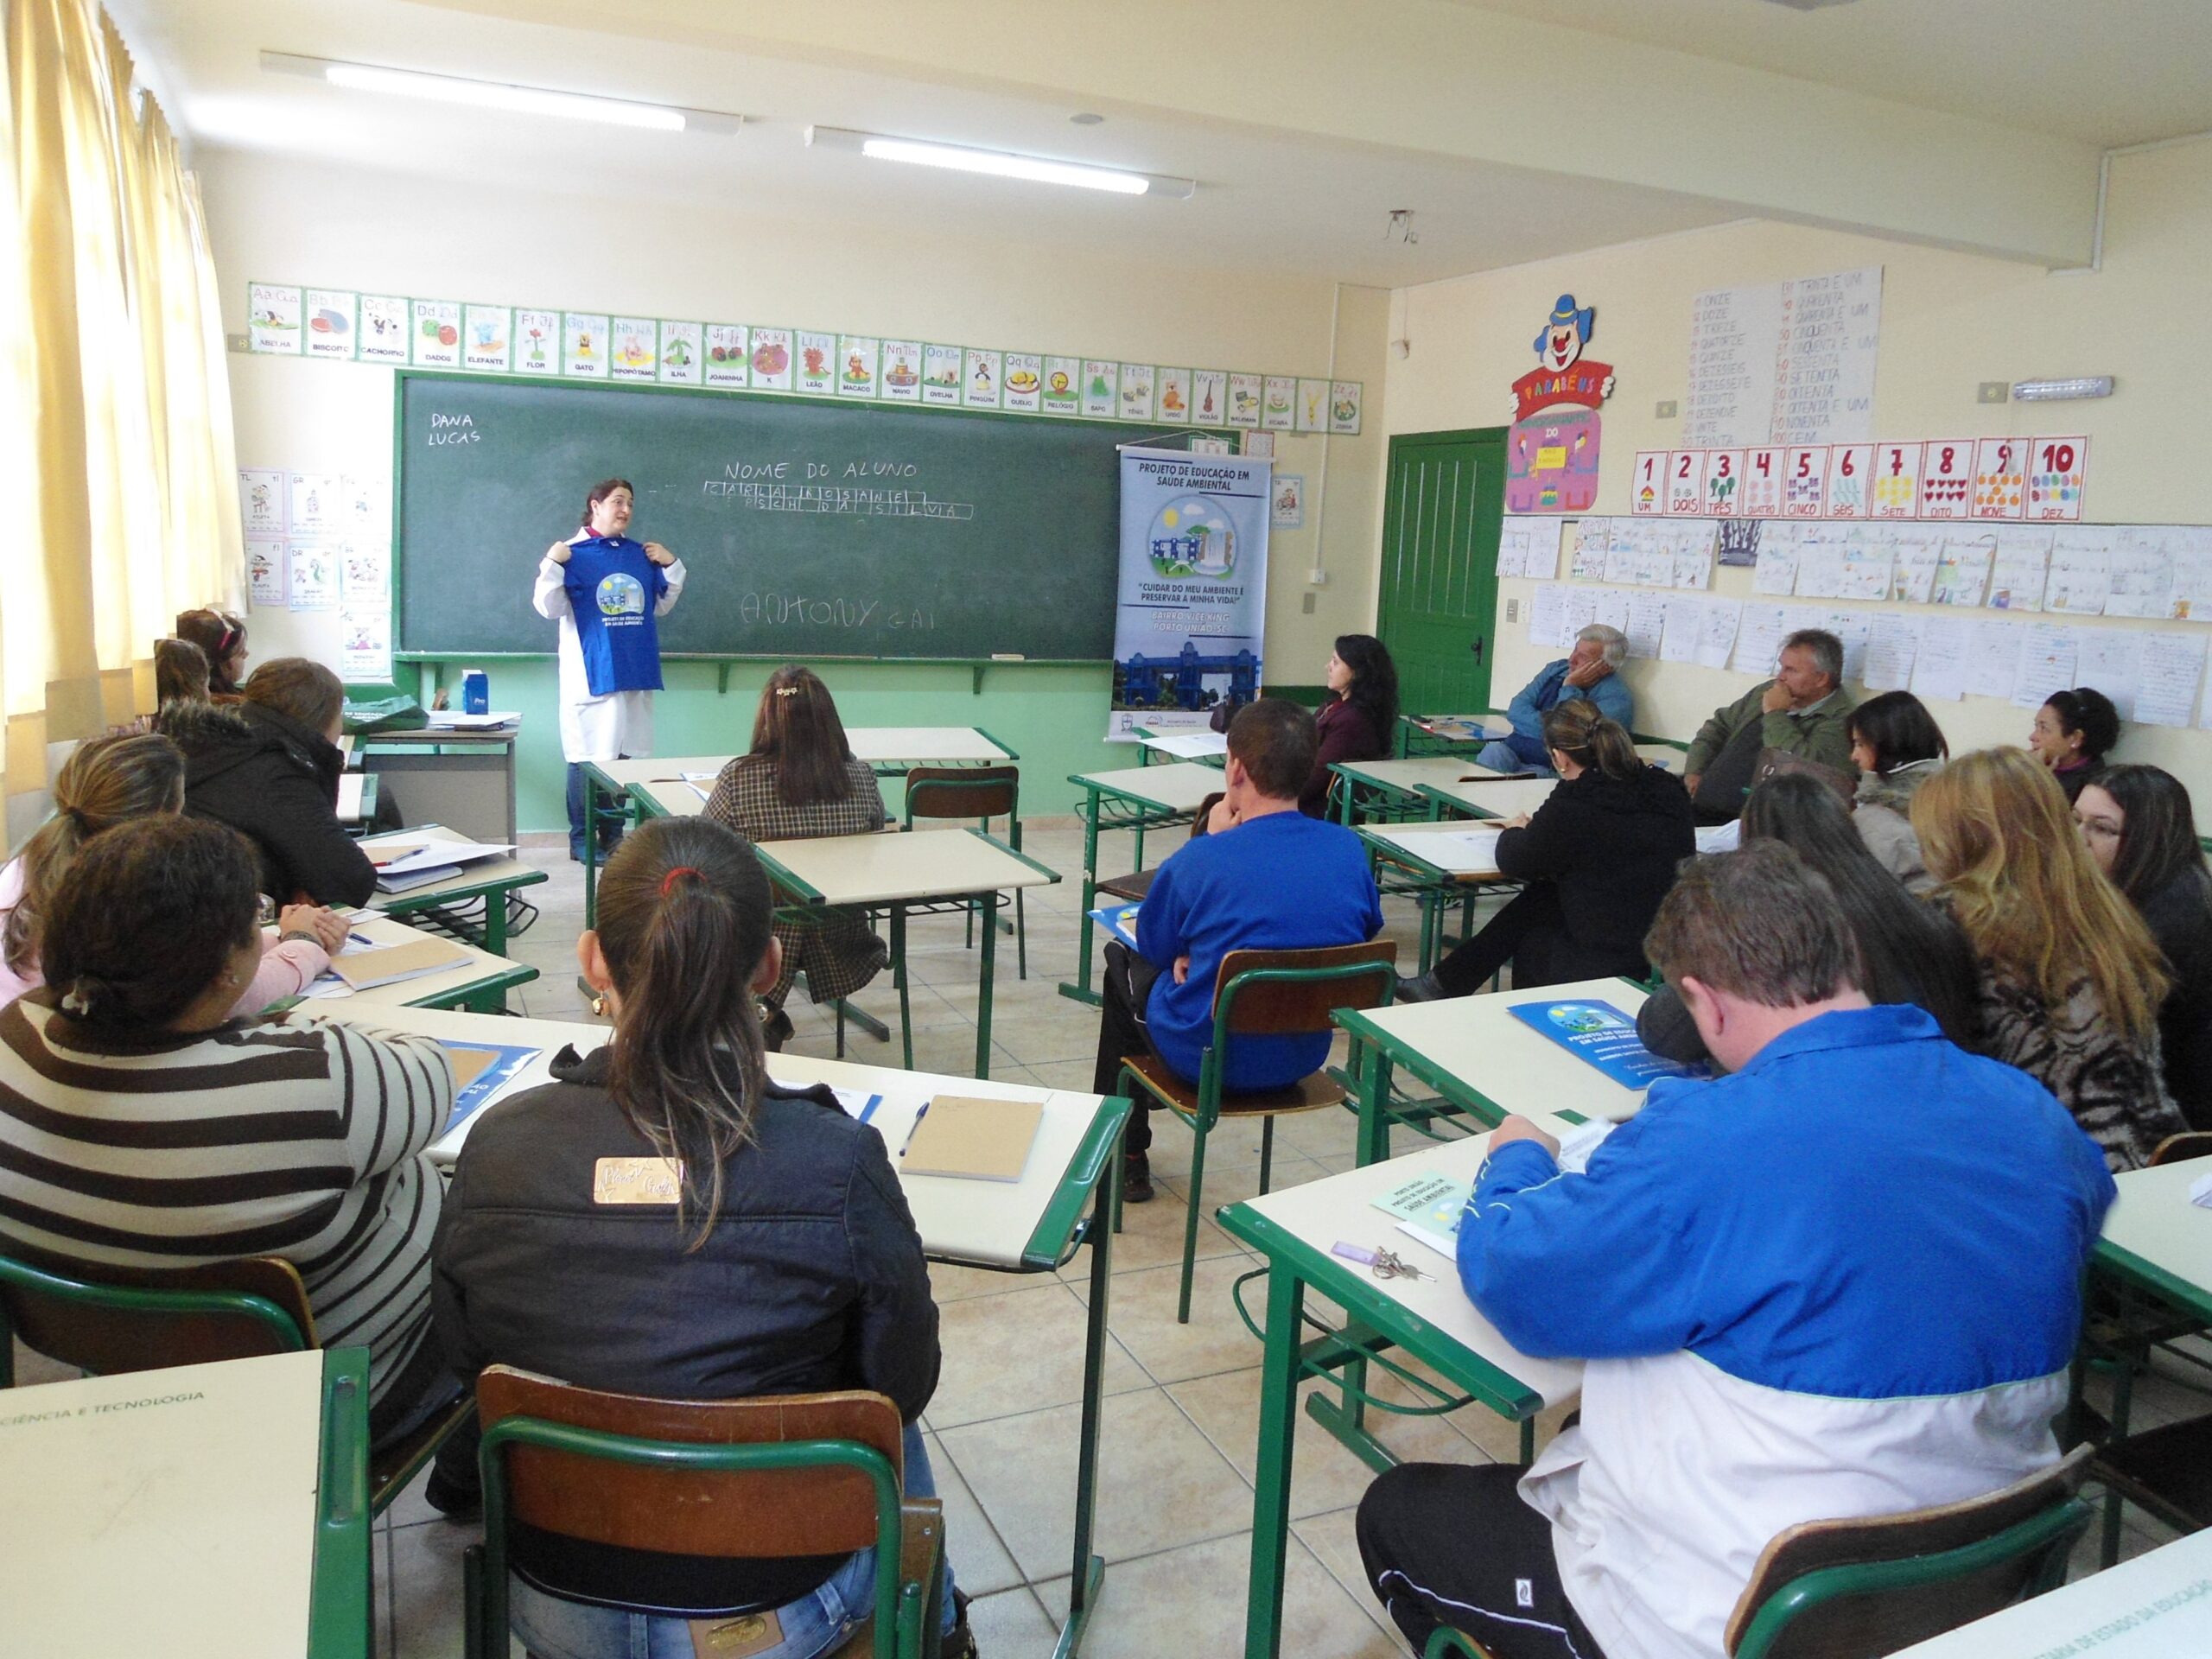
(2071, 982)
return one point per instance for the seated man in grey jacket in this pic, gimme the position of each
(1803, 710)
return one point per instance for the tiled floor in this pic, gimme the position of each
(1174, 1509)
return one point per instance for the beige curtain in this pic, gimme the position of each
(116, 389)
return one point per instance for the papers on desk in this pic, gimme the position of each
(389, 964)
(1120, 922)
(700, 784)
(481, 1071)
(1600, 1035)
(1189, 745)
(1472, 851)
(405, 862)
(2200, 1191)
(448, 720)
(349, 796)
(1428, 1208)
(974, 1138)
(1720, 837)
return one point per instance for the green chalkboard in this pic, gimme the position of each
(807, 528)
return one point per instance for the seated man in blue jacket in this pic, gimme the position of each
(1590, 670)
(1267, 877)
(1843, 1280)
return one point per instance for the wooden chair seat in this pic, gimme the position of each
(1130, 888)
(2168, 1470)
(1308, 1094)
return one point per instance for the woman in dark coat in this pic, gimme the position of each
(1357, 719)
(1598, 856)
(268, 766)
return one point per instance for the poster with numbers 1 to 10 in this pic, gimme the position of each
(2036, 480)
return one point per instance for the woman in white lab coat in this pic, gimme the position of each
(607, 592)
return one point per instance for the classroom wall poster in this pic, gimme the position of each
(723, 359)
(273, 318)
(1551, 454)
(329, 316)
(261, 501)
(312, 570)
(1286, 502)
(365, 643)
(1192, 613)
(340, 325)
(264, 575)
(312, 501)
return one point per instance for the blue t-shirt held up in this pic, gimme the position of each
(612, 588)
(1280, 882)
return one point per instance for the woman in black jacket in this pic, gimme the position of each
(268, 766)
(1909, 950)
(787, 1264)
(2138, 825)
(1598, 856)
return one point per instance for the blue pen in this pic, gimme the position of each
(909, 1141)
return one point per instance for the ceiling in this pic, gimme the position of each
(2106, 72)
(1277, 194)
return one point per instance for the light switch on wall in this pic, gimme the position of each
(1308, 606)
(1513, 610)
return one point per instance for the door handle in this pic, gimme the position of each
(1475, 645)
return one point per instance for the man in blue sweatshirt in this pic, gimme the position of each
(1265, 878)
(1591, 670)
(1842, 1280)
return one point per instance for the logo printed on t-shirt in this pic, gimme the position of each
(621, 596)
(1524, 1594)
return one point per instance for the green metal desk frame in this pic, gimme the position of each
(494, 893)
(1107, 807)
(341, 1624)
(1358, 797)
(1081, 1212)
(897, 909)
(1376, 1322)
(1431, 886)
(1413, 738)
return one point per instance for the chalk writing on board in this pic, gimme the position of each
(452, 429)
(814, 610)
(826, 498)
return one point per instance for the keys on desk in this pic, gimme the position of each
(1383, 1264)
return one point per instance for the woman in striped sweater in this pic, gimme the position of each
(142, 1127)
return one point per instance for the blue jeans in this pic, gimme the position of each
(554, 1629)
(1498, 755)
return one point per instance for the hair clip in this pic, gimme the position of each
(669, 881)
(788, 690)
(75, 1001)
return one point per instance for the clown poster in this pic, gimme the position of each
(1192, 614)
(1551, 458)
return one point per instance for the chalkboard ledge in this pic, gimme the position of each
(727, 661)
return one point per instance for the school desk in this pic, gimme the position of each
(2157, 1240)
(1481, 1060)
(461, 776)
(1418, 734)
(903, 871)
(1434, 864)
(1392, 789)
(481, 983)
(1487, 795)
(488, 879)
(216, 1511)
(1208, 748)
(1130, 797)
(1033, 1225)
(1428, 1320)
(2157, 1606)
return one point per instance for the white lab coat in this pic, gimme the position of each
(596, 728)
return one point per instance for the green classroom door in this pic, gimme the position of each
(1438, 602)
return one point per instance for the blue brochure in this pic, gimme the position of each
(483, 1077)
(1601, 1034)
(1120, 922)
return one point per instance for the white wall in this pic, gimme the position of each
(1949, 322)
(278, 220)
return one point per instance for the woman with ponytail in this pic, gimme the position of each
(786, 1263)
(1597, 857)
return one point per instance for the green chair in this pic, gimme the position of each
(1263, 993)
(981, 794)
(107, 1321)
(815, 1474)
(1848, 1589)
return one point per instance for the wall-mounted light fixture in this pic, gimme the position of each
(1005, 165)
(2057, 391)
(502, 95)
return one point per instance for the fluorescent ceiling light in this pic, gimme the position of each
(500, 95)
(2053, 391)
(1004, 164)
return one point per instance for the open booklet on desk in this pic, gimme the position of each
(1428, 1207)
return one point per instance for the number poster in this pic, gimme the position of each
(2035, 481)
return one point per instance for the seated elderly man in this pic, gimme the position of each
(1803, 710)
(1591, 671)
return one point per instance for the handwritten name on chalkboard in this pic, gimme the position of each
(814, 610)
(452, 429)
